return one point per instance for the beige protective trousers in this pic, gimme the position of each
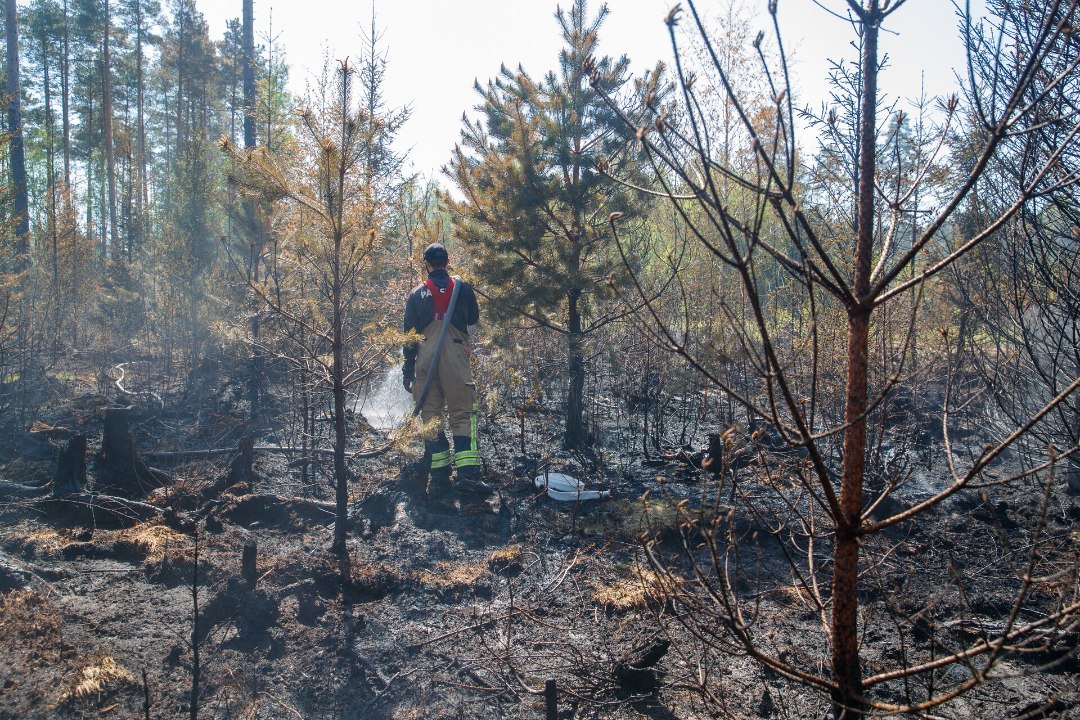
(452, 387)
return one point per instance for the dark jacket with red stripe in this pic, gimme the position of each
(420, 312)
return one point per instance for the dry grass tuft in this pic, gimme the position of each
(505, 560)
(634, 592)
(153, 539)
(416, 712)
(93, 680)
(27, 616)
(376, 578)
(405, 438)
(793, 596)
(655, 515)
(453, 577)
(45, 542)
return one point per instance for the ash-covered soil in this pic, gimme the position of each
(465, 607)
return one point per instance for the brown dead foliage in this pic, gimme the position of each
(30, 623)
(506, 561)
(634, 592)
(149, 541)
(448, 578)
(100, 677)
(377, 579)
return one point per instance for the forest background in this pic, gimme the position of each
(868, 299)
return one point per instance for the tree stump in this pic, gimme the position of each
(1072, 476)
(249, 565)
(715, 460)
(551, 700)
(71, 467)
(241, 468)
(635, 673)
(124, 471)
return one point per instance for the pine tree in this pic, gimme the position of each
(328, 196)
(536, 203)
(191, 173)
(138, 19)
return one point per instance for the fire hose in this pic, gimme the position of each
(438, 348)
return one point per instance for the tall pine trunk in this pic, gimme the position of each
(341, 473)
(15, 143)
(50, 221)
(249, 74)
(337, 216)
(107, 130)
(251, 221)
(141, 191)
(575, 403)
(65, 97)
(90, 84)
(178, 145)
(847, 671)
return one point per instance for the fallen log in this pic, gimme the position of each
(97, 510)
(12, 491)
(278, 511)
(50, 432)
(181, 455)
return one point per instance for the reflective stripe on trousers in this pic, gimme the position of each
(466, 448)
(440, 459)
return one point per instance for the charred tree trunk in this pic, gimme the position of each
(575, 402)
(551, 700)
(1072, 465)
(337, 213)
(341, 472)
(249, 565)
(241, 469)
(716, 454)
(124, 469)
(635, 673)
(196, 664)
(71, 467)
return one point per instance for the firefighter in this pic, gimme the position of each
(451, 389)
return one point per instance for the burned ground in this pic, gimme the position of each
(459, 608)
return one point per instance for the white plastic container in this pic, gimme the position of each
(567, 489)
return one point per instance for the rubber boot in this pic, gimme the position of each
(467, 459)
(439, 449)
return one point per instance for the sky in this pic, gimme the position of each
(437, 49)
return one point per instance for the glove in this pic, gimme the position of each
(407, 384)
